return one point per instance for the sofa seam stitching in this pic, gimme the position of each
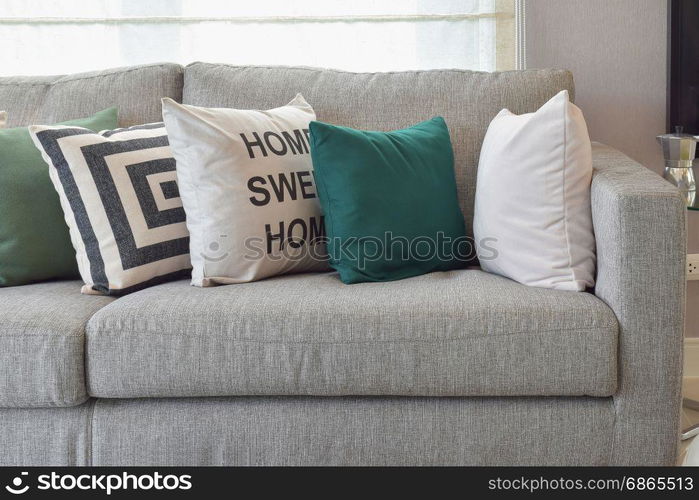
(90, 434)
(42, 336)
(321, 342)
(46, 404)
(335, 70)
(620, 365)
(61, 80)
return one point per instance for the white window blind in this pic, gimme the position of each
(65, 36)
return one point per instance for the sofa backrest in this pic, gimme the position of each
(136, 91)
(468, 100)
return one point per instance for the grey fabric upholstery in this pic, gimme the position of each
(311, 431)
(21, 97)
(447, 334)
(353, 431)
(42, 344)
(46, 436)
(460, 333)
(639, 222)
(136, 91)
(467, 100)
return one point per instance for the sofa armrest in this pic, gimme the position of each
(639, 223)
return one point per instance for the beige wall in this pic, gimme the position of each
(617, 51)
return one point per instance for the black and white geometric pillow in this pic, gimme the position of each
(119, 194)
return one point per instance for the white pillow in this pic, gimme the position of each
(118, 190)
(532, 216)
(3, 119)
(246, 179)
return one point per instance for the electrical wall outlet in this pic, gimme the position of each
(693, 266)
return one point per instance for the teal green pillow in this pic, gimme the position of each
(34, 240)
(389, 201)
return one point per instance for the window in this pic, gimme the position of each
(65, 36)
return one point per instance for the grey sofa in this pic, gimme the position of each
(457, 368)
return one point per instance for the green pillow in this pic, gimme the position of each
(389, 201)
(34, 240)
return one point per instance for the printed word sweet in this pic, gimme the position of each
(280, 185)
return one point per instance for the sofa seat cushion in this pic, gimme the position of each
(42, 340)
(458, 333)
